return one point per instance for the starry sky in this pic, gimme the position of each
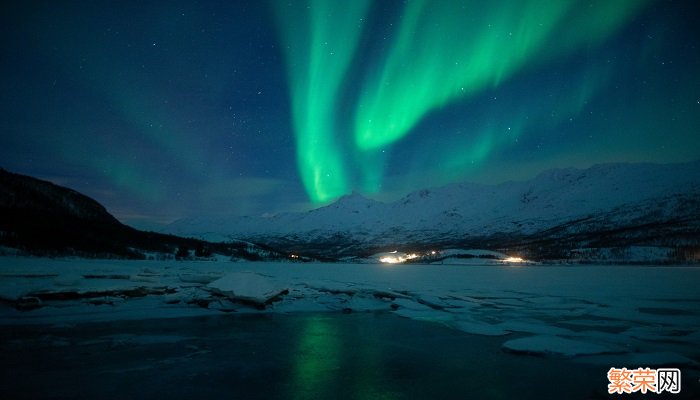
(169, 109)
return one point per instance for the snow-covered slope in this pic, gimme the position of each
(564, 201)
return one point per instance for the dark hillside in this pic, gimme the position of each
(39, 217)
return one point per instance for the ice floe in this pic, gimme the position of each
(554, 345)
(247, 287)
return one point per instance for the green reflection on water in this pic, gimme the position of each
(317, 359)
(328, 360)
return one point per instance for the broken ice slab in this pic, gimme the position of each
(554, 345)
(479, 328)
(203, 278)
(248, 287)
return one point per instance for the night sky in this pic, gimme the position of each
(169, 109)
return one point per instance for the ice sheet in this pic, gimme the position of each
(563, 310)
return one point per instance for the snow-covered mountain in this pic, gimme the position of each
(560, 210)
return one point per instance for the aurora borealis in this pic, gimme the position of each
(319, 57)
(167, 110)
(442, 52)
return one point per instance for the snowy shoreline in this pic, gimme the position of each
(649, 314)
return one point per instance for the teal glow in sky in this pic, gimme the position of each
(168, 110)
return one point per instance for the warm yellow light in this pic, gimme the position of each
(513, 259)
(398, 258)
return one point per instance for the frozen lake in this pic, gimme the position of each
(119, 329)
(298, 356)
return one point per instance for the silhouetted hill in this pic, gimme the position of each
(39, 217)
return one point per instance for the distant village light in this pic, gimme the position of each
(398, 258)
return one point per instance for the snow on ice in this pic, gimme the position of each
(648, 314)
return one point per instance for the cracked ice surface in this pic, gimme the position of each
(592, 312)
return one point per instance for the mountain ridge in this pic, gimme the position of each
(509, 214)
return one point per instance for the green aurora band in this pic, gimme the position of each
(320, 43)
(443, 51)
(446, 50)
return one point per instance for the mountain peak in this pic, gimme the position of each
(354, 199)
